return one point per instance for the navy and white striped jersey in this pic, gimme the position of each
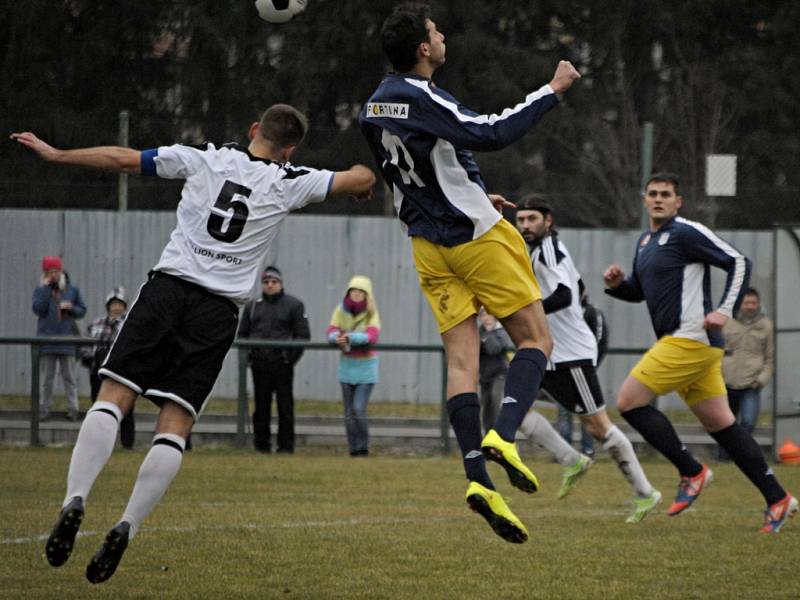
(422, 140)
(231, 206)
(574, 343)
(671, 274)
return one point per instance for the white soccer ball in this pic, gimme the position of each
(279, 11)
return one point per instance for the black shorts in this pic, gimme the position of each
(575, 388)
(172, 343)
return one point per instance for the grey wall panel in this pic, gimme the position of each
(788, 317)
(317, 255)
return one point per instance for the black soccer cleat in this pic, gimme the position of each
(62, 539)
(106, 559)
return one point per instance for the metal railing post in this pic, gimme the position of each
(35, 394)
(444, 420)
(241, 409)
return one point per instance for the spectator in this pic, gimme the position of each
(275, 315)
(749, 359)
(493, 366)
(104, 329)
(58, 304)
(355, 327)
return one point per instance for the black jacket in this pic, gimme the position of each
(493, 359)
(596, 320)
(277, 317)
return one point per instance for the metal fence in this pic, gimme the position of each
(317, 255)
(242, 348)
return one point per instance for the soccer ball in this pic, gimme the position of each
(279, 11)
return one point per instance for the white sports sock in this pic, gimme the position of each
(621, 450)
(539, 429)
(158, 470)
(93, 448)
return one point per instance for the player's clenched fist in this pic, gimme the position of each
(564, 76)
(613, 276)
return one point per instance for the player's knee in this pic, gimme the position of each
(625, 401)
(632, 395)
(546, 343)
(175, 419)
(117, 393)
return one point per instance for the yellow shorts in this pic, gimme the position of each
(493, 271)
(689, 367)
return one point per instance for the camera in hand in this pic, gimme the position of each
(53, 285)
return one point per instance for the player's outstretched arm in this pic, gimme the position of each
(104, 158)
(357, 181)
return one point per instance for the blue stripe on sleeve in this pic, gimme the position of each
(330, 185)
(148, 163)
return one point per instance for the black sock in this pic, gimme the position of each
(747, 455)
(523, 379)
(465, 417)
(661, 435)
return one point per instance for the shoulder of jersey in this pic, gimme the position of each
(550, 254)
(289, 171)
(682, 224)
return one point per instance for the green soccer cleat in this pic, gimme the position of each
(572, 474)
(644, 506)
(505, 454)
(491, 506)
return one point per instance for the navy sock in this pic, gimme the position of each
(523, 379)
(465, 417)
(657, 431)
(747, 455)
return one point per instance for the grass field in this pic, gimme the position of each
(240, 525)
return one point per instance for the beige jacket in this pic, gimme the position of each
(749, 352)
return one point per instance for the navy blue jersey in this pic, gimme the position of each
(671, 272)
(422, 140)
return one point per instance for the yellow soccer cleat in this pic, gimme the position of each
(505, 454)
(491, 506)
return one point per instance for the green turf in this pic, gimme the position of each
(240, 525)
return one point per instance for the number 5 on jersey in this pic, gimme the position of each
(395, 147)
(219, 212)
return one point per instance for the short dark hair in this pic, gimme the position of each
(664, 177)
(536, 202)
(402, 33)
(283, 125)
(751, 292)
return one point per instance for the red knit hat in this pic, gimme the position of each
(51, 263)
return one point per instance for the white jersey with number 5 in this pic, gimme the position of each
(231, 206)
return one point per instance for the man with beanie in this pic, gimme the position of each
(275, 315)
(58, 304)
(104, 329)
